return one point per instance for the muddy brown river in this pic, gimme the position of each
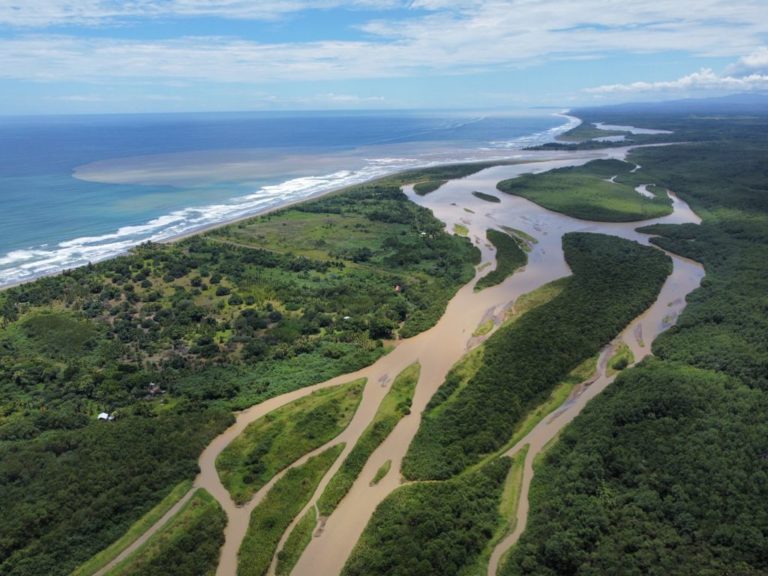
(439, 348)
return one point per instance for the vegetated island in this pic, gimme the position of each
(510, 257)
(601, 190)
(53, 448)
(486, 197)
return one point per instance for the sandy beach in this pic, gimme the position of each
(505, 159)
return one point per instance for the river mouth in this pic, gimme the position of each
(440, 347)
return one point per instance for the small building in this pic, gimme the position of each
(105, 416)
(154, 389)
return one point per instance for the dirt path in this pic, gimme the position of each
(141, 540)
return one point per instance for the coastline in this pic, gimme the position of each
(506, 157)
(216, 225)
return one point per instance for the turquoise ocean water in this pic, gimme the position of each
(79, 189)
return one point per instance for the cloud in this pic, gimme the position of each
(81, 98)
(704, 79)
(446, 37)
(756, 61)
(44, 13)
(348, 98)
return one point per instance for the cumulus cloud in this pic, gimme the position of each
(756, 61)
(704, 79)
(433, 37)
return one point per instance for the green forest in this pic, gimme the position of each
(169, 339)
(278, 439)
(271, 518)
(431, 527)
(613, 281)
(188, 545)
(665, 472)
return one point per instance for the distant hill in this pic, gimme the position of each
(751, 104)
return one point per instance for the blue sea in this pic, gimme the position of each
(79, 189)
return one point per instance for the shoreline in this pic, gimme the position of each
(34, 263)
(215, 225)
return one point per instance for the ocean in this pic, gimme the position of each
(79, 189)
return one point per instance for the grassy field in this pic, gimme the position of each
(395, 405)
(527, 240)
(297, 541)
(427, 186)
(536, 298)
(188, 545)
(273, 515)
(460, 230)
(484, 328)
(509, 257)
(144, 523)
(585, 192)
(280, 438)
(381, 472)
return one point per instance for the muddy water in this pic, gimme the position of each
(439, 348)
(686, 277)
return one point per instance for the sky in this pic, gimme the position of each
(103, 56)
